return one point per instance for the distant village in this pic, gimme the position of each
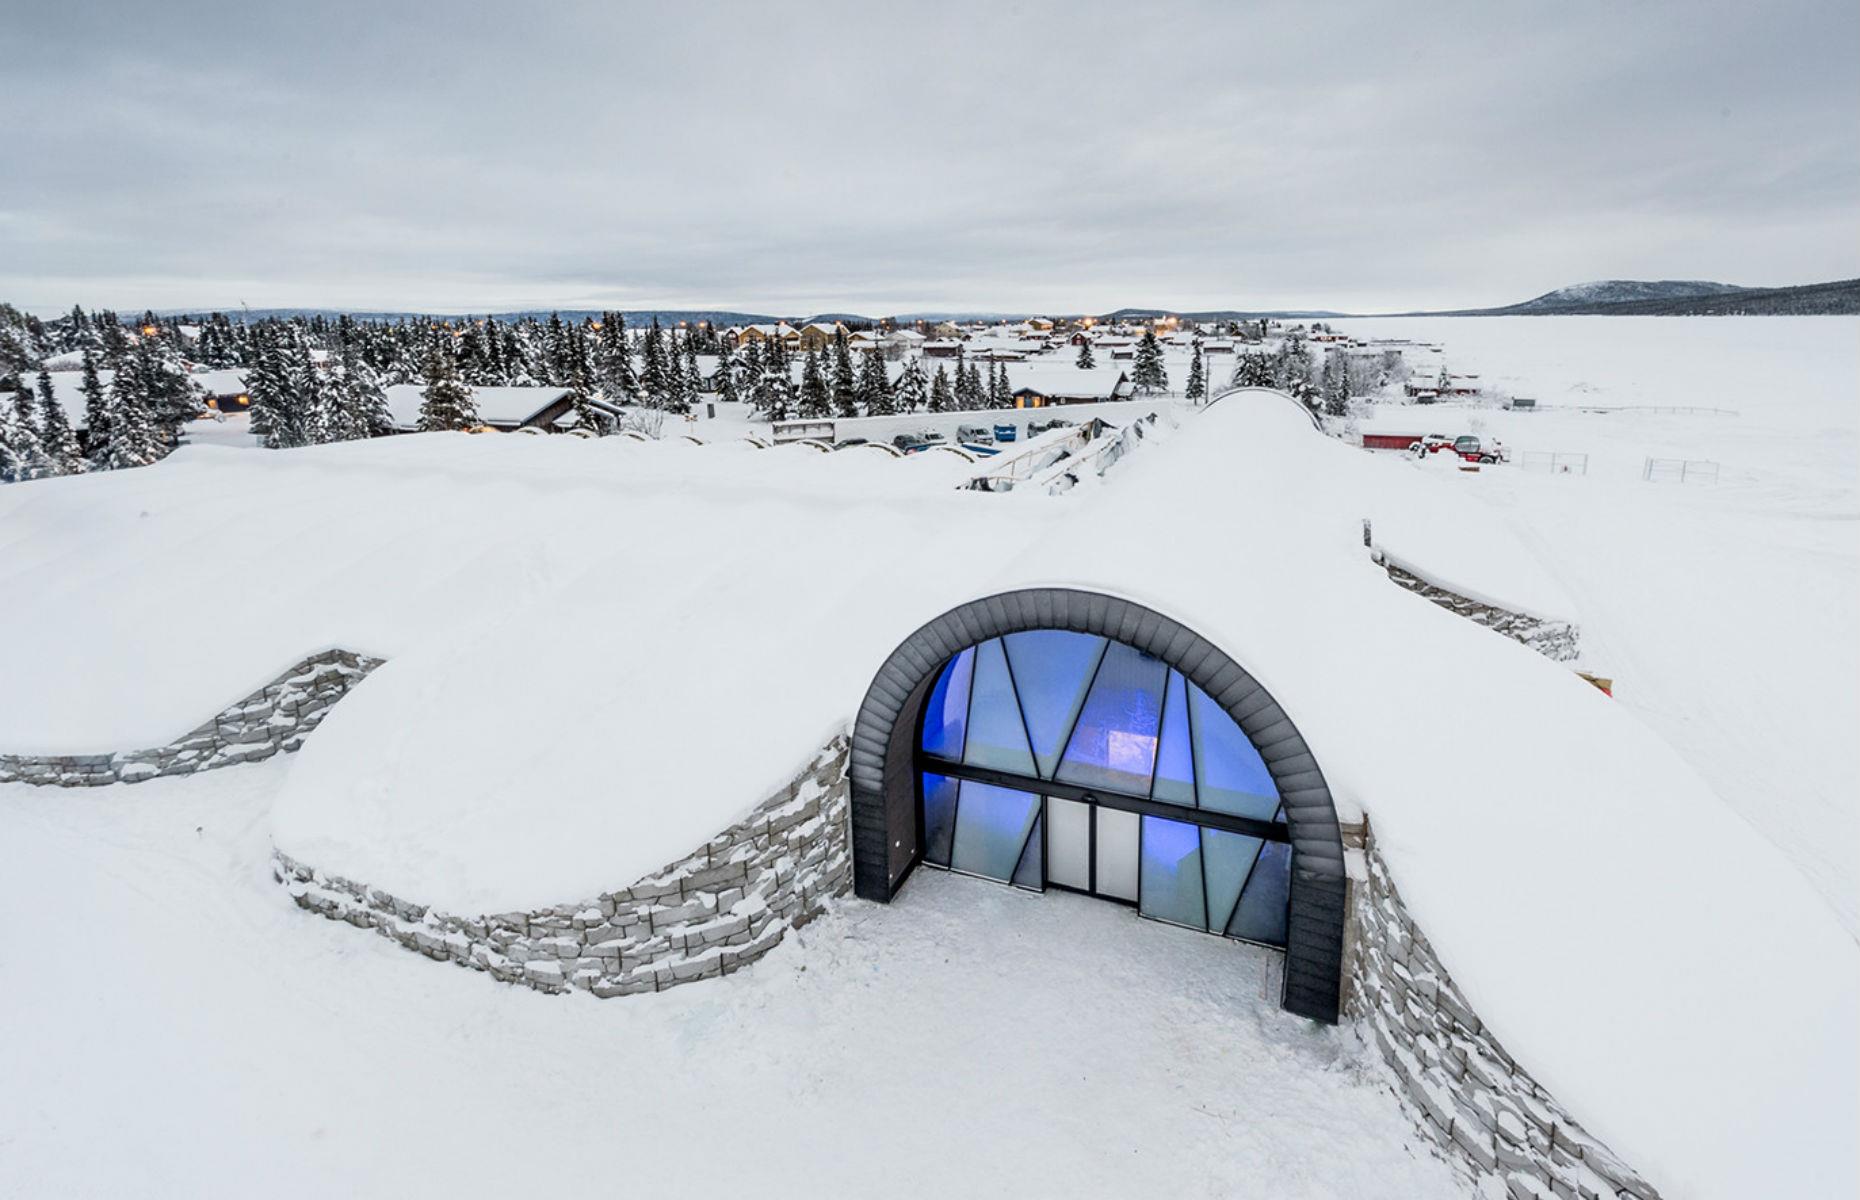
(91, 391)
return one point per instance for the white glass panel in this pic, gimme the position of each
(1068, 843)
(1117, 853)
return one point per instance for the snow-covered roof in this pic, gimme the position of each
(496, 405)
(1653, 962)
(221, 381)
(1059, 377)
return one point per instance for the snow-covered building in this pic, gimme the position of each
(1044, 382)
(1188, 688)
(503, 408)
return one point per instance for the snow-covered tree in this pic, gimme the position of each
(1253, 368)
(1197, 389)
(357, 403)
(55, 436)
(655, 370)
(1336, 385)
(1148, 374)
(96, 410)
(942, 398)
(278, 408)
(1000, 395)
(815, 400)
(874, 386)
(724, 378)
(614, 359)
(844, 384)
(133, 441)
(913, 389)
(22, 456)
(1085, 361)
(446, 403)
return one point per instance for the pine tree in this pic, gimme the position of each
(96, 410)
(999, 394)
(875, 386)
(724, 380)
(169, 396)
(653, 381)
(912, 388)
(1292, 372)
(446, 403)
(1197, 389)
(132, 436)
(1254, 369)
(22, 455)
(581, 400)
(275, 420)
(61, 448)
(815, 401)
(941, 398)
(1336, 385)
(682, 384)
(357, 402)
(845, 383)
(1148, 375)
(1085, 361)
(614, 360)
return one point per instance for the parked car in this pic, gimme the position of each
(975, 435)
(913, 443)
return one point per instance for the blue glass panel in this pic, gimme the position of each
(1031, 873)
(939, 817)
(1230, 776)
(1114, 745)
(1260, 916)
(1175, 762)
(946, 712)
(997, 737)
(991, 828)
(1171, 881)
(1052, 668)
(1227, 858)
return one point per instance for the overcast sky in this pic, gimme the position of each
(464, 156)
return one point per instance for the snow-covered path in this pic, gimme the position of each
(177, 1028)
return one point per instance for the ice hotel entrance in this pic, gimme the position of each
(1115, 754)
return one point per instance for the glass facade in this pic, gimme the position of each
(1120, 733)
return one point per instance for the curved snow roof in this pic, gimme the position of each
(601, 652)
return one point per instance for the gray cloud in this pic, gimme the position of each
(787, 158)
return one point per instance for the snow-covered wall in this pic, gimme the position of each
(1480, 1106)
(718, 908)
(275, 718)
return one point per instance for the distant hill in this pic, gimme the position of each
(1622, 291)
(1681, 298)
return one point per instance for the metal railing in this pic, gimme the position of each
(1679, 470)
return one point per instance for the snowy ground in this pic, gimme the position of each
(178, 1028)
(1724, 611)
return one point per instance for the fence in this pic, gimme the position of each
(1679, 470)
(1554, 462)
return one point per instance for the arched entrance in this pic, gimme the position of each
(1104, 747)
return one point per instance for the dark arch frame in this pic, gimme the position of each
(884, 742)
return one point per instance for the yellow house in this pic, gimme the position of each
(786, 333)
(818, 336)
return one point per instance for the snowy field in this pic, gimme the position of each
(968, 1040)
(1725, 611)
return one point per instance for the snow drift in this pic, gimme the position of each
(602, 652)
